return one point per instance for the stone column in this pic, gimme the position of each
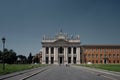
(71, 55)
(65, 55)
(78, 55)
(49, 55)
(55, 55)
(43, 55)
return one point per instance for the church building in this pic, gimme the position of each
(61, 49)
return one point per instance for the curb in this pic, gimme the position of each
(32, 74)
(20, 73)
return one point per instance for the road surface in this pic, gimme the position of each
(62, 72)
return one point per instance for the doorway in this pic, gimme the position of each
(60, 60)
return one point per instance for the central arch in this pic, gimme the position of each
(61, 55)
(60, 50)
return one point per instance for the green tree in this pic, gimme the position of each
(9, 56)
(22, 58)
(30, 58)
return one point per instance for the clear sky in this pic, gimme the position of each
(24, 22)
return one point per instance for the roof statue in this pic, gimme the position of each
(78, 37)
(63, 36)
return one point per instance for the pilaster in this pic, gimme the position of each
(71, 55)
(65, 55)
(49, 55)
(78, 55)
(43, 55)
(55, 55)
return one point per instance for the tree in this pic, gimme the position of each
(13, 56)
(22, 58)
(30, 58)
(9, 56)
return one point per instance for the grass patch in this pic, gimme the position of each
(10, 68)
(110, 67)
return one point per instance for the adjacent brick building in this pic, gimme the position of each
(100, 54)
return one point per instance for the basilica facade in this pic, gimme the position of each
(66, 49)
(61, 49)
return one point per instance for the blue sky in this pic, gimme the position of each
(24, 22)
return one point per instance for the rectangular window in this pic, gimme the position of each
(100, 50)
(96, 55)
(96, 50)
(101, 61)
(105, 55)
(92, 55)
(92, 50)
(113, 61)
(100, 55)
(93, 61)
(117, 61)
(96, 61)
(88, 49)
(104, 50)
(118, 55)
(89, 56)
(109, 61)
(114, 55)
(109, 55)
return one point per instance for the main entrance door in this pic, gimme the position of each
(61, 60)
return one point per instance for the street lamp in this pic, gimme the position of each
(3, 40)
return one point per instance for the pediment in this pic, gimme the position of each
(61, 41)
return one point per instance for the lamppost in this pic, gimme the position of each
(3, 40)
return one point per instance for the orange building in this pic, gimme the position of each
(100, 54)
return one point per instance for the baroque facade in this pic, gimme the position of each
(61, 49)
(66, 49)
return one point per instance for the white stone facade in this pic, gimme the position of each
(61, 49)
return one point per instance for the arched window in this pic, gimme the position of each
(60, 50)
